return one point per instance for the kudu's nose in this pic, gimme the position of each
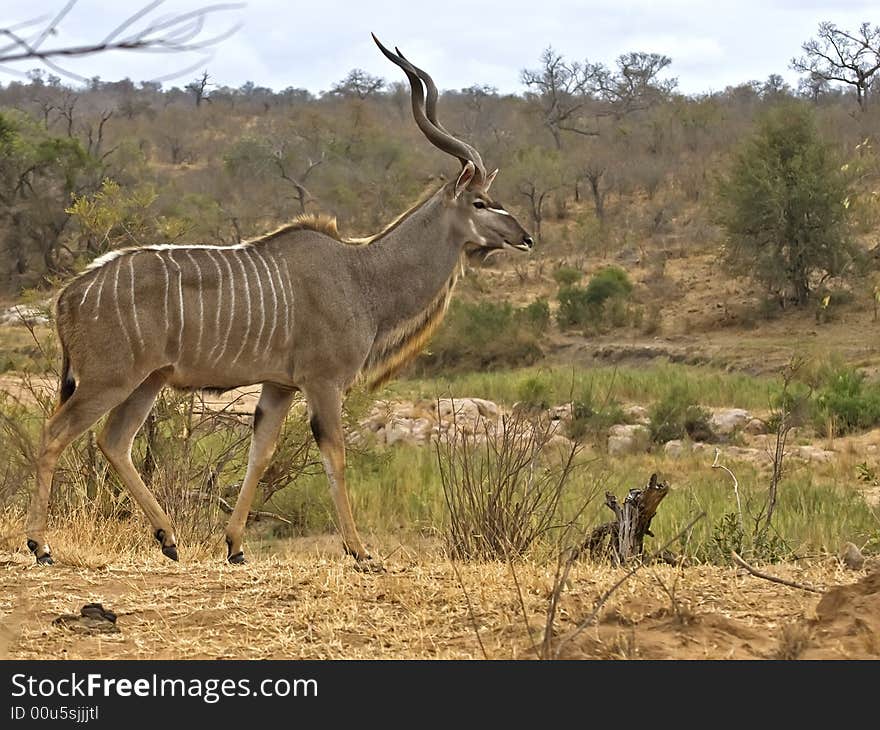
(528, 241)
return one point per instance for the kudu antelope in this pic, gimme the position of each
(299, 309)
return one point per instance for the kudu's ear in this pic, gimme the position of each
(464, 179)
(490, 178)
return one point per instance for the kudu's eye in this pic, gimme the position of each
(479, 204)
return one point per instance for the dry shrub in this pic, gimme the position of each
(191, 457)
(503, 486)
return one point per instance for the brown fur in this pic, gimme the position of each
(404, 344)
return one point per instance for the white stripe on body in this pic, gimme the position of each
(113, 255)
(262, 260)
(499, 211)
(262, 304)
(247, 293)
(88, 289)
(137, 324)
(167, 284)
(290, 290)
(198, 352)
(118, 310)
(180, 293)
(225, 260)
(284, 297)
(100, 292)
(219, 304)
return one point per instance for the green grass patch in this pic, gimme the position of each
(646, 384)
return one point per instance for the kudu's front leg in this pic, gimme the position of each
(325, 419)
(269, 416)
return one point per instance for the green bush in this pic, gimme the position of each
(608, 283)
(783, 205)
(575, 309)
(602, 301)
(535, 316)
(486, 334)
(676, 415)
(847, 402)
(591, 419)
(533, 393)
(567, 276)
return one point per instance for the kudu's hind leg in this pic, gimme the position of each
(269, 416)
(325, 419)
(116, 440)
(73, 418)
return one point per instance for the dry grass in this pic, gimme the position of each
(303, 599)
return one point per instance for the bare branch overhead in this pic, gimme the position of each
(842, 57)
(183, 32)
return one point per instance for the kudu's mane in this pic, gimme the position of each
(326, 224)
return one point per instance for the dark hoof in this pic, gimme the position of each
(234, 559)
(169, 551)
(368, 564)
(45, 559)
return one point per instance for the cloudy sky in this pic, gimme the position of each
(311, 44)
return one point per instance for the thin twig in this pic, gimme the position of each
(739, 509)
(470, 608)
(772, 578)
(604, 598)
(227, 508)
(522, 606)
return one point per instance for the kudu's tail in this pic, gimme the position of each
(68, 384)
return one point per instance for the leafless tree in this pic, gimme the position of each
(566, 90)
(95, 136)
(358, 83)
(635, 84)
(199, 88)
(842, 57)
(181, 32)
(563, 90)
(298, 181)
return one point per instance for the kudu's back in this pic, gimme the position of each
(218, 317)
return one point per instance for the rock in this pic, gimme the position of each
(675, 449)
(755, 427)
(457, 409)
(628, 439)
(558, 443)
(398, 430)
(725, 421)
(813, 453)
(851, 557)
(560, 413)
(422, 429)
(93, 619)
(24, 315)
(636, 414)
(486, 408)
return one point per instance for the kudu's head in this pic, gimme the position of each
(477, 219)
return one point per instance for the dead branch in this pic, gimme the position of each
(176, 33)
(253, 516)
(603, 599)
(739, 509)
(772, 578)
(624, 537)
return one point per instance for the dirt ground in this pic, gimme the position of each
(304, 600)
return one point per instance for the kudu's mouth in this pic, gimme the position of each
(525, 245)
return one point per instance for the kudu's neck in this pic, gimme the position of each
(410, 272)
(413, 263)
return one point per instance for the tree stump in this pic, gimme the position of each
(624, 537)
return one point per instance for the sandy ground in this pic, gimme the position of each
(303, 600)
